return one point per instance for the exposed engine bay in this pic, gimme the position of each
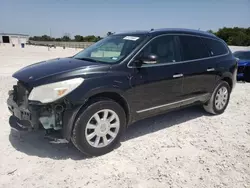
(38, 115)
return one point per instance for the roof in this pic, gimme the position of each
(170, 30)
(132, 32)
(182, 30)
(14, 34)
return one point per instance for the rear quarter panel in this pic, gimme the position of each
(226, 67)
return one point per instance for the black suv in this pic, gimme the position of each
(93, 96)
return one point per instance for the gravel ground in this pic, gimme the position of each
(185, 148)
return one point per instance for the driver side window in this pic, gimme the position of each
(163, 47)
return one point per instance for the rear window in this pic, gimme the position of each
(192, 48)
(215, 47)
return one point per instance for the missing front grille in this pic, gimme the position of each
(20, 93)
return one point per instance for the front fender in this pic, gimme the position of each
(103, 89)
(68, 121)
(70, 115)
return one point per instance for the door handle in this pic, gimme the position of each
(177, 75)
(210, 69)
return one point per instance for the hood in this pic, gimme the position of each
(243, 62)
(46, 69)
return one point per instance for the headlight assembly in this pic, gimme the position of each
(51, 92)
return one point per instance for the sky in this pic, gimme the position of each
(97, 17)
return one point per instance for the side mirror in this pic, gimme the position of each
(150, 59)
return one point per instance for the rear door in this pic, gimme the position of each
(198, 68)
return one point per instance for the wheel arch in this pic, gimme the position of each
(227, 77)
(117, 97)
(229, 81)
(113, 94)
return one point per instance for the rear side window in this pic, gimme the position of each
(192, 48)
(215, 47)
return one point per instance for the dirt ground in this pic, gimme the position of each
(185, 148)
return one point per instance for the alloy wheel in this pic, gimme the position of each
(102, 128)
(221, 98)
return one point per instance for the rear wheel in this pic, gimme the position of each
(219, 99)
(99, 127)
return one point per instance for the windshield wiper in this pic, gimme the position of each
(88, 59)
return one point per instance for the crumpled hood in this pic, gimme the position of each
(52, 67)
(244, 62)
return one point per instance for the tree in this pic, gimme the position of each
(66, 38)
(78, 38)
(90, 38)
(210, 31)
(235, 36)
(58, 39)
(42, 38)
(98, 38)
(232, 36)
(45, 38)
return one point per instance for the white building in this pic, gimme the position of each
(13, 38)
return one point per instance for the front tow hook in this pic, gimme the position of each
(18, 125)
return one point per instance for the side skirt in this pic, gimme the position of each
(200, 98)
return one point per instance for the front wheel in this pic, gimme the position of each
(219, 99)
(99, 127)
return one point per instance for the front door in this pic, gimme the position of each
(157, 87)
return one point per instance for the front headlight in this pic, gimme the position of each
(51, 92)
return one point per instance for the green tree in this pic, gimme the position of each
(66, 38)
(235, 36)
(232, 36)
(78, 38)
(58, 39)
(98, 38)
(90, 38)
(210, 31)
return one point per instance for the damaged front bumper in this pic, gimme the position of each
(57, 116)
(27, 117)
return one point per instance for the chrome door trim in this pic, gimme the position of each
(180, 62)
(177, 75)
(210, 69)
(169, 104)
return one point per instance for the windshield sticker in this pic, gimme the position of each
(114, 58)
(131, 38)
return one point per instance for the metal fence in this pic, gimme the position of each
(61, 44)
(82, 45)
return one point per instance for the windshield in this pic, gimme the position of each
(242, 55)
(111, 49)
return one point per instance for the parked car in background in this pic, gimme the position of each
(243, 73)
(93, 96)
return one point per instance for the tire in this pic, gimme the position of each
(211, 106)
(86, 125)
